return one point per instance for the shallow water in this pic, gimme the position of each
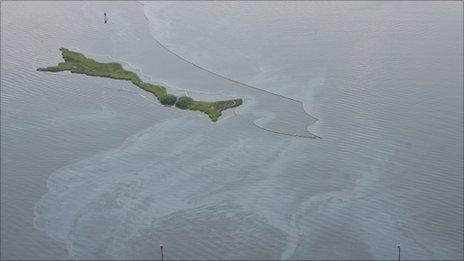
(125, 174)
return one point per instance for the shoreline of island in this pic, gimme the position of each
(76, 62)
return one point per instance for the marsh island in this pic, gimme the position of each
(78, 63)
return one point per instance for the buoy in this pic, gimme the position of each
(162, 251)
(105, 18)
(399, 251)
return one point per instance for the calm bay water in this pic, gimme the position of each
(94, 168)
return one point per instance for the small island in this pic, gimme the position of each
(77, 63)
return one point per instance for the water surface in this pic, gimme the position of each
(93, 168)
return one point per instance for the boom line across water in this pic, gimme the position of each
(242, 84)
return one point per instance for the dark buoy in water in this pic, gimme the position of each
(106, 21)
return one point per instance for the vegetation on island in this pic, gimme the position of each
(184, 102)
(167, 99)
(77, 63)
